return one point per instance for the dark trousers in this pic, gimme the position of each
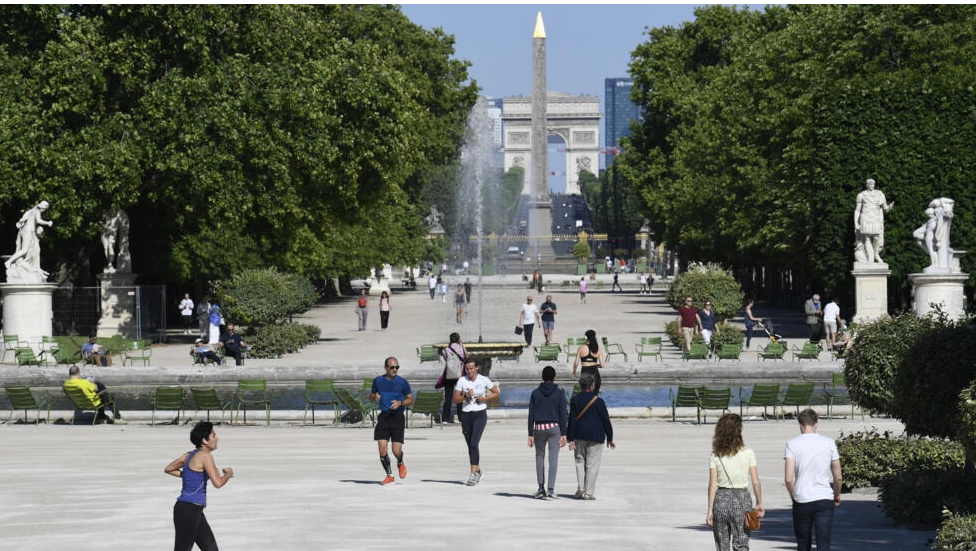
(384, 318)
(447, 415)
(432, 289)
(813, 516)
(192, 527)
(527, 332)
(473, 426)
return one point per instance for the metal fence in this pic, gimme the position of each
(140, 311)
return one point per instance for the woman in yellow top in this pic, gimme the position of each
(731, 467)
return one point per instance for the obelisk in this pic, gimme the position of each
(540, 206)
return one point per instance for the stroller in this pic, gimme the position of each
(767, 326)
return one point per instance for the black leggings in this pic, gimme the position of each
(473, 426)
(192, 527)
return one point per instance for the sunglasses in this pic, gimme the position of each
(393, 366)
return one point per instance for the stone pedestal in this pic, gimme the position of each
(380, 282)
(945, 290)
(27, 310)
(119, 307)
(870, 290)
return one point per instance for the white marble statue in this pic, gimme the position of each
(24, 266)
(933, 236)
(434, 219)
(869, 223)
(116, 231)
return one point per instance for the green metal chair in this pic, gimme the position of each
(25, 356)
(67, 353)
(699, 351)
(10, 344)
(611, 348)
(428, 353)
(717, 398)
(649, 346)
(763, 395)
(426, 402)
(797, 394)
(687, 396)
(357, 405)
(167, 398)
(134, 351)
(773, 351)
(810, 351)
(21, 397)
(254, 393)
(321, 393)
(207, 398)
(547, 353)
(82, 403)
(837, 388)
(572, 346)
(729, 352)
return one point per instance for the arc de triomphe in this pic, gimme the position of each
(576, 119)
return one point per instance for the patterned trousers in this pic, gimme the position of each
(728, 516)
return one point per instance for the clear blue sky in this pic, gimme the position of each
(585, 44)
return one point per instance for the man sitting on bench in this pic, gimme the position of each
(96, 392)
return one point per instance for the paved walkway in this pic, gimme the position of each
(310, 488)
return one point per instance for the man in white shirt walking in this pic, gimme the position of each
(528, 316)
(831, 313)
(813, 479)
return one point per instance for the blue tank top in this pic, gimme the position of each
(194, 484)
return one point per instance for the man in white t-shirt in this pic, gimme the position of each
(813, 479)
(528, 316)
(830, 314)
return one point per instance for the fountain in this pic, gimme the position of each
(476, 177)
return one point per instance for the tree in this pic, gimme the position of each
(234, 136)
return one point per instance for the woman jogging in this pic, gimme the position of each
(195, 468)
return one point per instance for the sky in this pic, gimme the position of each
(585, 44)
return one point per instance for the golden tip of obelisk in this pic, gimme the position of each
(540, 29)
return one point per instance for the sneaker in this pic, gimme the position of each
(472, 480)
(388, 480)
(477, 477)
(539, 494)
(578, 494)
(120, 421)
(551, 495)
(588, 497)
(403, 470)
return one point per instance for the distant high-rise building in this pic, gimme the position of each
(495, 120)
(619, 111)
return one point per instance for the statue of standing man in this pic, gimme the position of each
(115, 229)
(27, 255)
(869, 222)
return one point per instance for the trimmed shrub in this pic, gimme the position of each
(263, 297)
(727, 335)
(872, 364)
(919, 492)
(271, 341)
(868, 458)
(957, 533)
(707, 282)
(675, 336)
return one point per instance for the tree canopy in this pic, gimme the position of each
(760, 128)
(292, 136)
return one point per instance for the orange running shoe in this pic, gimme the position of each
(403, 470)
(388, 480)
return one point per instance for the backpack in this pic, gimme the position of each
(455, 363)
(362, 302)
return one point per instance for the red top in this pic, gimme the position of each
(688, 314)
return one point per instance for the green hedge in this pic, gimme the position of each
(726, 335)
(707, 282)
(263, 297)
(957, 533)
(869, 457)
(271, 341)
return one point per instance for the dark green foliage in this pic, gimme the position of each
(234, 135)
(271, 341)
(957, 533)
(709, 282)
(868, 458)
(967, 419)
(919, 492)
(874, 362)
(581, 250)
(674, 334)
(263, 297)
(727, 335)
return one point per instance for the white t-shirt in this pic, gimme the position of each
(812, 454)
(831, 311)
(528, 313)
(480, 386)
(432, 282)
(737, 466)
(186, 307)
(643, 279)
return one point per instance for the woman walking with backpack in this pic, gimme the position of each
(454, 356)
(362, 309)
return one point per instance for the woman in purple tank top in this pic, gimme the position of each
(195, 468)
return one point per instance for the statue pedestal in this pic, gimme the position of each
(27, 310)
(870, 291)
(118, 305)
(943, 289)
